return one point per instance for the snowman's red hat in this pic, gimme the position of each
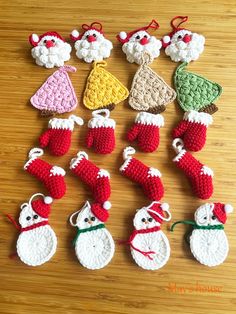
(75, 35)
(166, 40)
(101, 211)
(157, 211)
(221, 210)
(34, 39)
(42, 206)
(124, 37)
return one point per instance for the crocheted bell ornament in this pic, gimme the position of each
(49, 49)
(94, 245)
(51, 176)
(101, 133)
(58, 135)
(149, 246)
(199, 175)
(37, 241)
(182, 45)
(91, 45)
(208, 241)
(57, 94)
(136, 42)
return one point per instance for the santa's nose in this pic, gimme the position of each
(187, 38)
(91, 38)
(50, 43)
(144, 41)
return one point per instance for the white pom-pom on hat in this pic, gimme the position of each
(106, 205)
(48, 200)
(123, 35)
(35, 38)
(165, 206)
(75, 33)
(228, 208)
(166, 39)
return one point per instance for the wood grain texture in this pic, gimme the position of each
(62, 285)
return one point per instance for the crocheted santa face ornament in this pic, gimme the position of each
(148, 244)
(94, 246)
(49, 49)
(208, 241)
(37, 241)
(103, 90)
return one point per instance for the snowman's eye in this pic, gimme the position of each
(205, 217)
(28, 218)
(213, 217)
(137, 37)
(92, 218)
(143, 219)
(150, 219)
(86, 219)
(36, 216)
(94, 35)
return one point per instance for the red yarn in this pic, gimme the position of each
(58, 140)
(34, 226)
(102, 139)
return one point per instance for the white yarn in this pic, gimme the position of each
(150, 119)
(34, 153)
(65, 124)
(101, 122)
(153, 172)
(57, 171)
(53, 56)
(75, 161)
(103, 173)
(198, 117)
(207, 171)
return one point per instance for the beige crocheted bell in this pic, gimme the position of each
(149, 92)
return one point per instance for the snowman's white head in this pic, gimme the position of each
(28, 216)
(86, 218)
(142, 220)
(204, 216)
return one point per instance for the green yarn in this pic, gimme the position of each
(194, 92)
(79, 231)
(196, 226)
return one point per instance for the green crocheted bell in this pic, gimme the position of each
(194, 92)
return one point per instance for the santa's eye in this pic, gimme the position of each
(28, 218)
(45, 41)
(213, 217)
(92, 218)
(179, 37)
(143, 219)
(205, 217)
(150, 219)
(94, 35)
(145, 36)
(36, 216)
(86, 219)
(137, 37)
(53, 40)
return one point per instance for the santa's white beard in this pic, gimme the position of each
(51, 57)
(94, 51)
(134, 50)
(186, 52)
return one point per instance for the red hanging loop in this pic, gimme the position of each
(182, 18)
(85, 27)
(154, 25)
(12, 220)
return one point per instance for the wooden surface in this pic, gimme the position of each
(62, 285)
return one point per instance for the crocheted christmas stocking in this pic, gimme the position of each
(147, 177)
(101, 133)
(192, 129)
(97, 179)
(58, 135)
(51, 176)
(199, 175)
(146, 131)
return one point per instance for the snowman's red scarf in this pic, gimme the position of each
(39, 224)
(142, 231)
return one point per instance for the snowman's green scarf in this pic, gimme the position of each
(196, 226)
(79, 231)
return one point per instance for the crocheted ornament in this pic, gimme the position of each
(149, 92)
(37, 241)
(149, 246)
(57, 94)
(208, 241)
(49, 49)
(94, 245)
(146, 131)
(58, 135)
(194, 92)
(101, 134)
(103, 90)
(98, 180)
(51, 176)
(147, 177)
(139, 41)
(91, 45)
(182, 45)
(199, 175)
(192, 129)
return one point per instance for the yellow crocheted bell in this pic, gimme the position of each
(103, 90)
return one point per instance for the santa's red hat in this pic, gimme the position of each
(166, 40)
(34, 39)
(42, 206)
(101, 211)
(96, 26)
(157, 211)
(124, 37)
(221, 210)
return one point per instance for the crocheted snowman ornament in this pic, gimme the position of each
(37, 241)
(148, 244)
(49, 49)
(103, 90)
(208, 241)
(94, 245)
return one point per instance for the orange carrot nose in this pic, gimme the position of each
(91, 38)
(144, 41)
(50, 43)
(187, 38)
